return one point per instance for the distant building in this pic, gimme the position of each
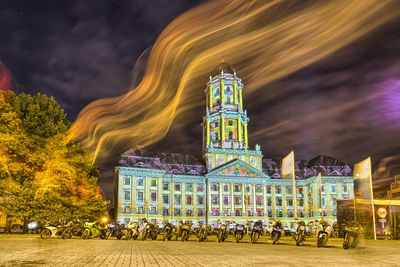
(162, 186)
(394, 192)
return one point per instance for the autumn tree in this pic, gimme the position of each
(43, 174)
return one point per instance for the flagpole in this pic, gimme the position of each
(372, 196)
(294, 190)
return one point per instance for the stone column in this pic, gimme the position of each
(265, 201)
(171, 199)
(133, 199)
(208, 197)
(284, 202)
(120, 195)
(159, 196)
(339, 191)
(232, 200)
(305, 192)
(220, 198)
(254, 200)
(316, 199)
(146, 196)
(183, 199)
(273, 201)
(195, 200)
(328, 199)
(243, 200)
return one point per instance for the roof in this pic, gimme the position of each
(186, 164)
(173, 163)
(223, 66)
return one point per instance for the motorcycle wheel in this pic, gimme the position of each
(183, 236)
(45, 234)
(108, 234)
(237, 238)
(325, 240)
(144, 236)
(66, 234)
(154, 236)
(165, 236)
(86, 234)
(135, 236)
(119, 236)
(355, 242)
(275, 239)
(128, 234)
(201, 237)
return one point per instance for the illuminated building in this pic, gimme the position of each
(174, 187)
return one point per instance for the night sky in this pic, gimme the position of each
(346, 105)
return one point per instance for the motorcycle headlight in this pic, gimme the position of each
(32, 225)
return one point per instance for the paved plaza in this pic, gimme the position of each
(96, 252)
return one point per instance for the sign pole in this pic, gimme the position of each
(372, 196)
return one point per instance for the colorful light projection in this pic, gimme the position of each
(266, 40)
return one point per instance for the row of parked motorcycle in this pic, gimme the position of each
(168, 231)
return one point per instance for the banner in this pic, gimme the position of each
(382, 223)
(361, 173)
(288, 166)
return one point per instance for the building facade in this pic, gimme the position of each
(230, 181)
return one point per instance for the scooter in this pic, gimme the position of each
(239, 232)
(132, 230)
(323, 231)
(300, 234)
(94, 229)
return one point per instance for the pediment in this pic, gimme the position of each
(236, 168)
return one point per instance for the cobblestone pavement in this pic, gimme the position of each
(96, 252)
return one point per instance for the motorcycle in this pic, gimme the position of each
(300, 234)
(169, 231)
(150, 230)
(222, 233)
(185, 231)
(132, 230)
(72, 229)
(256, 232)
(115, 230)
(276, 233)
(352, 232)
(239, 232)
(94, 229)
(203, 232)
(49, 231)
(323, 231)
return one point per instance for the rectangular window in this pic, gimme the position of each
(189, 212)
(153, 210)
(238, 212)
(177, 212)
(165, 186)
(127, 180)
(300, 190)
(177, 199)
(269, 204)
(227, 212)
(259, 188)
(278, 202)
(344, 188)
(153, 196)
(177, 187)
(165, 212)
(333, 188)
(215, 212)
(214, 199)
(189, 200)
(153, 182)
(200, 200)
(259, 200)
(248, 188)
(214, 187)
(226, 188)
(269, 213)
(301, 202)
(260, 212)
(289, 190)
(139, 195)
(166, 199)
(237, 188)
(290, 202)
(226, 200)
(323, 188)
(127, 195)
(238, 200)
(139, 210)
(278, 189)
(127, 209)
(268, 189)
(200, 212)
(200, 188)
(189, 188)
(280, 213)
(139, 181)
